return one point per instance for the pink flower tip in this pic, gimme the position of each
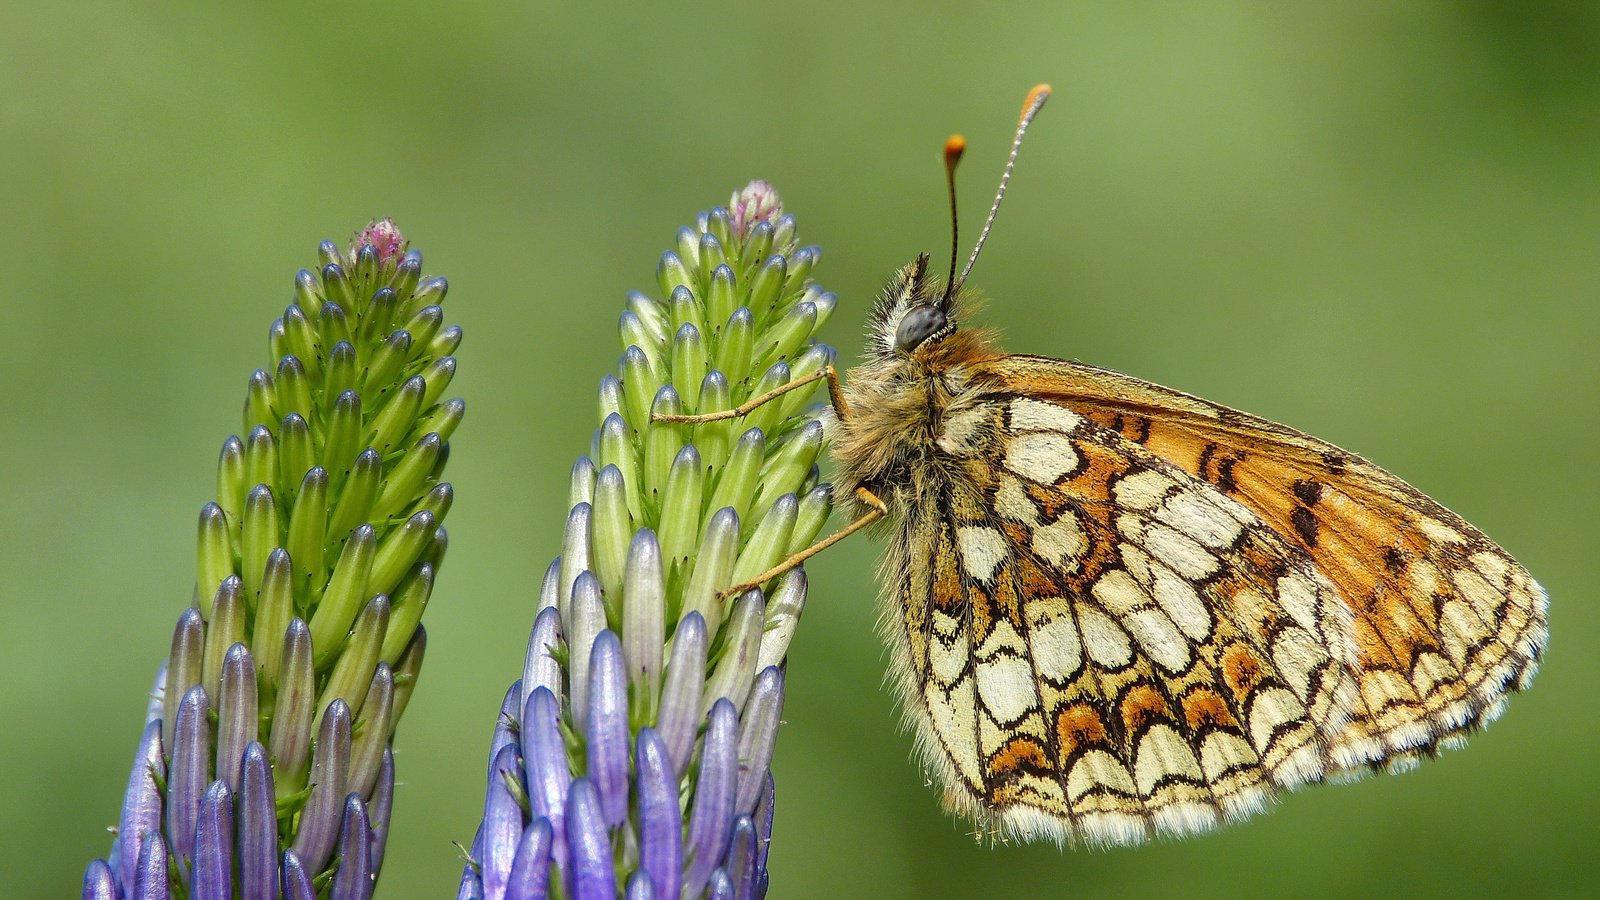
(757, 201)
(384, 236)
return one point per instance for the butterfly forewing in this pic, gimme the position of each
(1444, 621)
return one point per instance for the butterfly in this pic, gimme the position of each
(1119, 611)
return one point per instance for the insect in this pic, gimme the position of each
(1120, 611)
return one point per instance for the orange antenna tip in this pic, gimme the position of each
(1036, 99)
(954, 146)
(1030, 108)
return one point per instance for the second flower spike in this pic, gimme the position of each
(265, 767)
(632, 758)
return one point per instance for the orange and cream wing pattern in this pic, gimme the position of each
(1445, 622)
(1102, 646)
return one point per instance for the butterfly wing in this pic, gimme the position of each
(1103, 646)
(1445, 621)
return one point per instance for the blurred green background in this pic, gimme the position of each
(1376, 222)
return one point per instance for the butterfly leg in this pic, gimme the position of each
(835, 394)
(877, 509)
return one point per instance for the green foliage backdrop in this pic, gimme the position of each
(1377, 222)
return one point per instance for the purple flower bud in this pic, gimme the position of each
(297, 883)
(763, 820)
(502, 819)
(99, 883)
(190, 771)
(141, 806)
(237, 713)
(183, 670)
(539, 667)
(330, 760)
(378, 809)
(258, 827)
(758, 735)
(372, 732)
(590, 871)
(660, 819)
(505, 725)
(711, 822)
(680, 695)
(720, 886)
(354, 879)
(155, 701)
(150, 877)
(530, 870)
(639, 887)
(212, 878)
(741, 862)
(544, 757)
(608, 728)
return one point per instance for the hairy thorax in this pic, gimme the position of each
(898, 410)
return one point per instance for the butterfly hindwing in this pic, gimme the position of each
(1103, 646)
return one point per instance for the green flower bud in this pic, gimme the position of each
(387, 361)
(346, 593)
(688, 359)
(297, 455)
(738, 480)
(735, 350)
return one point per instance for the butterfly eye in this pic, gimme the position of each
(917, 325)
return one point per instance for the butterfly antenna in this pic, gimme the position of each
(953, 148)
(1030, 108)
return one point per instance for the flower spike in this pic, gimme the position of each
(276, 705)
(650, 700)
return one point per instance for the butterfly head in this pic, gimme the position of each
(912, 313)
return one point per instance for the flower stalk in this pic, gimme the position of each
(632, 757)
(265, 768)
